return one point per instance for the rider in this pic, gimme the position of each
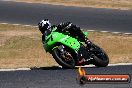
(45, 28)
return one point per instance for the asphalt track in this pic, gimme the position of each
(55, 77)
(87, 18)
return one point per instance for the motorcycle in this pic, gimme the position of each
(70, 52)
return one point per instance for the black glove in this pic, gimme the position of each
(70, 25)
(63, 26)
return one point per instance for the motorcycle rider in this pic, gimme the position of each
(45, 28)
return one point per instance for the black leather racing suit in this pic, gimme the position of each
(73, 30)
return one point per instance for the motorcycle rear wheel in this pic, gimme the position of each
(101, 59)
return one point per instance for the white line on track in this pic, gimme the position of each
(128, 33)
(16, 24)
(91, 30)
(104, 31)
(3, 23)
(27, 25)
(116, 32)
(82, 29)
(27, 69)
(17, 69)
(118, 64)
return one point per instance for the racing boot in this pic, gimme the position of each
(80, 59)
(83, 57)
(88, 43)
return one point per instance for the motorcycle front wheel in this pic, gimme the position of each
(64, 59)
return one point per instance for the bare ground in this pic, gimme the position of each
(21, 47)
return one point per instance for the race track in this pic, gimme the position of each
(55, 77)
(87, 18)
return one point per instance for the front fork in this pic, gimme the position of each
(61, 48)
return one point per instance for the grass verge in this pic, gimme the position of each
(21, 46)
(114, 4)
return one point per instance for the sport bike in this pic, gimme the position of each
(69, 52)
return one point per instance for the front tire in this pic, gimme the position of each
(61, 60)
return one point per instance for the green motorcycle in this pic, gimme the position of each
(66, 50)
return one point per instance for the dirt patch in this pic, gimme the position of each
(22, 47)
(114, 4)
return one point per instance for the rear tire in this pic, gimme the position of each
(101, 59)
(57, 56)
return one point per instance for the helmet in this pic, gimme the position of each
(44, 25)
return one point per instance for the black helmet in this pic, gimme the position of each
(44, 25)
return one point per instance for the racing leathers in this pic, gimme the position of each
(74, 31)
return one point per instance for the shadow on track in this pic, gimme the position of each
(47, 68)
(50, 68)
(59, 68)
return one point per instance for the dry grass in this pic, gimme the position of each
(116, 4)
(21, 47)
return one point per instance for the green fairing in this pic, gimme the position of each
(56, 37)
(85, 33)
